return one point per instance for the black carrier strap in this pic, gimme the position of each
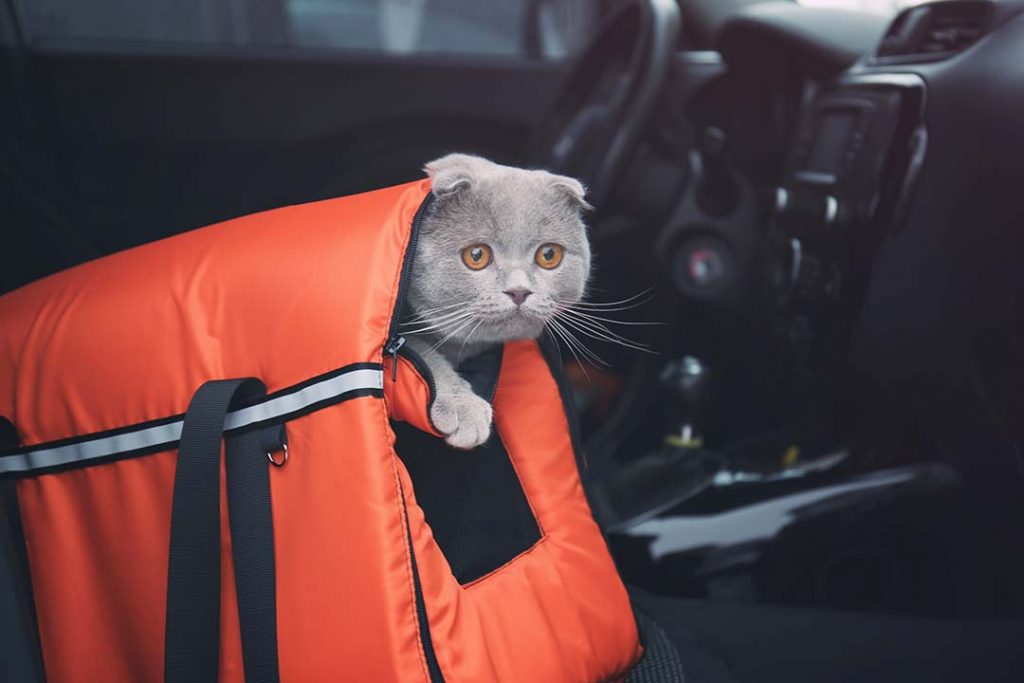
(192, 645)
(252, 544)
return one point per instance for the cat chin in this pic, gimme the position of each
(512, 328)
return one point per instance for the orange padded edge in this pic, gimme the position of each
(559, 611)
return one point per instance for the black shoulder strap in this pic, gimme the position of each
(192, 645)
(8, 434)
(252, 544)
(20, 653)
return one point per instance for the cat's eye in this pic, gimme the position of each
(549, 255)
(476, 256)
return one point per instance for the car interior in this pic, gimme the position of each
(804, 430)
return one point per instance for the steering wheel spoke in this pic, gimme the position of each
(596, 122)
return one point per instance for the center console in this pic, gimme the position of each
(855, 154)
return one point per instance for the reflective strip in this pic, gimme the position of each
(169, 433)
(314, 393)
(87, 450)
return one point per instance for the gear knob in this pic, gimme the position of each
(688, 381)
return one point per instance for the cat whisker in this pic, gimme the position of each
(621, 304)
(436, 318)
(581, 305)
(591, 316)
(440, 326)
(466, 340)
(452, 333)
(601, 333)
(438, 310)
(573, 342)
(611, 340)
(576, 356)
(552, 332)
(593, 324)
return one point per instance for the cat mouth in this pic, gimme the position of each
(521, 314)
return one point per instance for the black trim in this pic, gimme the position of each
(405, 276)
(549, 351)
(311, 408)
(67, 441)
(295, 388)
(482, 371)
(423, 623)
(423, 369)
(168, 445)
(330, 374)
(9, 438)
(395, 340)
(20, 650)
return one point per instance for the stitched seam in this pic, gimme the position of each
(531, 549)
(430, 394)
(512, 461)
(401, 504)
(407, 541)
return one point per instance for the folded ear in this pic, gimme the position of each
(572, 190)
(452, 174)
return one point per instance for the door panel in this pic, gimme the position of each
(154, 145)
(147, 139)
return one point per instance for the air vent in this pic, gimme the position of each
(934, 31)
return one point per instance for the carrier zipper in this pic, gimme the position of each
(398, 348)
(395, 340)
(426, 641)
(394, 346)
(395, 343)
(421, 367)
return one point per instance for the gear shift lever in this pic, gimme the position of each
(688, 382)
(680, 468)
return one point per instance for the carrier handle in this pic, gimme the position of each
(192, 632)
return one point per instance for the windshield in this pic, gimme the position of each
(887, 7)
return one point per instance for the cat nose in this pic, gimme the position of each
(518, 295)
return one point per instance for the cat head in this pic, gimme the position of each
(500, 251)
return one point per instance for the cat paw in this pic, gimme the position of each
(462, 417)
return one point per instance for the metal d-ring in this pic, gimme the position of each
(284, 457)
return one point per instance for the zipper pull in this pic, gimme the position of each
(391, 349)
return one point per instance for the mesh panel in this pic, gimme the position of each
(661, 662)
(473, 501)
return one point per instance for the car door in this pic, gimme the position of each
(131, 120)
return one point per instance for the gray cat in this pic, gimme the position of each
(501, 250)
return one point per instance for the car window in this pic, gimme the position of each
(550, 29)
(890, 7)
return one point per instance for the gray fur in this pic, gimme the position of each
(514, 211)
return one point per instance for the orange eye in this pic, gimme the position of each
(549, 255)
(476, 256)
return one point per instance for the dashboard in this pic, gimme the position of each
(902, 214)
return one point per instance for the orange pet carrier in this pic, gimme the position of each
(336, 537)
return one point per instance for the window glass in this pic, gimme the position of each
(526, 28)
(889, 7)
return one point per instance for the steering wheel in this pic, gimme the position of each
(608, 96)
